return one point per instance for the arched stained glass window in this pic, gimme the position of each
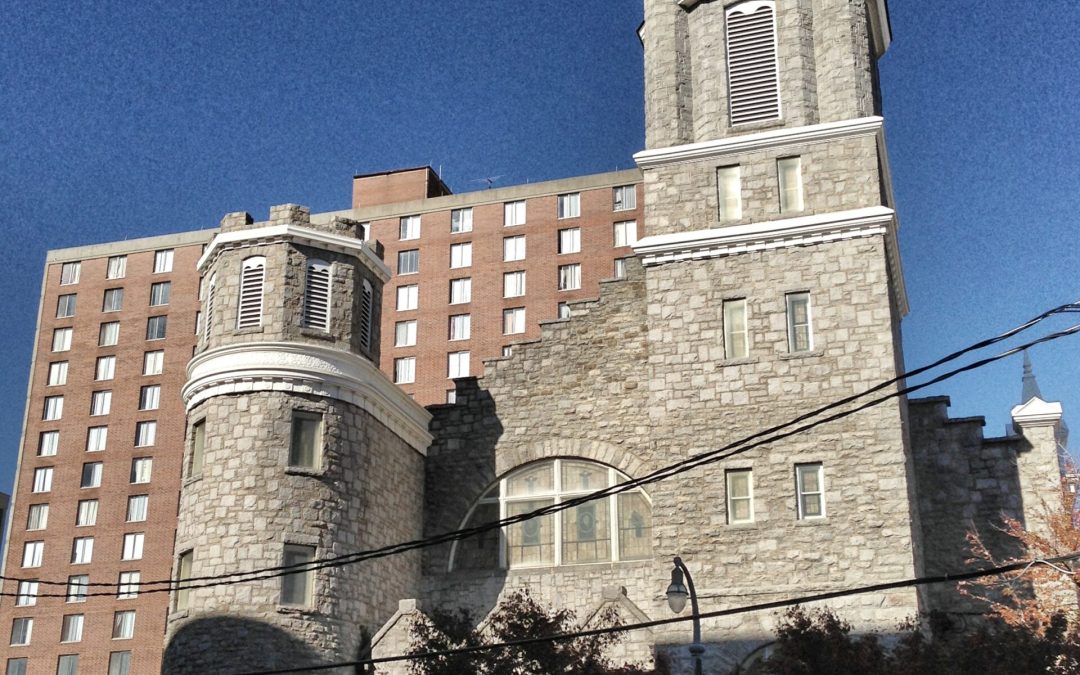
(612, 528)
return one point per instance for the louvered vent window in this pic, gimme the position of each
(211, 291)
(753, 81)
(251, 292)
(366, 302)
(317, 296)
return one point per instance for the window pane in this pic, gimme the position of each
(789, 171)
(38, 517)
(729, 193)
(87, 513)
(514, 213)
(109, 334)
(410, 227)
(96, 438)
(163, 260)
(159, 293)
(72, 628)
(405, 333)
(461, 220)
(405, 370)
(296, 588)
(583, 476)
(538, 479)
(408, 262)
(65, 306)
(136, 509)
(113, 300)
(105, 368)
(530, 542)
(124, 625)
(61, 339)
(480, 552)
(77, 588)
(48, 442)
(735, 336)
(153, 362)
(460, 291)
(460, 327)
(120, 663)
(117, 267)
(407, 297)
(306, 447)
(128, 585)
(585, 533)
(461, 255)
(69, 273)
(183, 569)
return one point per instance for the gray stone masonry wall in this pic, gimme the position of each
(283, 289)
(639, 380)
(838, 175)
(824, 59)
(247, 504)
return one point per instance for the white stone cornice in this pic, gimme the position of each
(297, 235)
(800, 231)
(1037, 413)
(307, 369)
(723, 147)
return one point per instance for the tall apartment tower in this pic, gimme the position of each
(293, 437)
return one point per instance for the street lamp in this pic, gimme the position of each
(677, 593)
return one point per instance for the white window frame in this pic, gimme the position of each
(513, 321)
(405, 370)
(109, 334)
(624, 198)
(620, 268)
(457, 364)
(145, 433)
(460, 327)
(65, 305)
(134, 542)
(163, 261)
(127, 585)
(514, 284)
(729, 192)
(105, 368)
(153, 362)
(26, 593)
(86, 513)
(624, 233)
(569, 240)
(461, 220)
(732, 498)
(569, 205)
(301, 583)
(61, 341)
(43, 478)
(461, 255)
(71, 628)
(77, 587)
(160, 293)
(82, 550)
(801, 493)
(48, 443)
(123, 624)
(408, 262)
(408, 228)
(405, 333)
(142, 469)
(731, 307)
(161, 321)
(112, 300)
(37, 517)
(514, 248)
(150, 397)
(408, 297)
(53, 408)
(97, 438)
(514, 213)
(137, 508)
(793, 326)
(570, 277)
(789, 183)
(461, 291)
(33, 554)
(91, 475)
(22, 630)
(116, 267)
(100, 403)
(70, 272)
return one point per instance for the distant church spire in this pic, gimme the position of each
(1030, 384)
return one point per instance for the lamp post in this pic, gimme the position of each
(677, 593)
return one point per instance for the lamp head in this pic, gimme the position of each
(677, 593)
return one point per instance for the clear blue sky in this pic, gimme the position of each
(121, 120)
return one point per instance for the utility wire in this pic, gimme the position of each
(1020, 566)
(729, 450)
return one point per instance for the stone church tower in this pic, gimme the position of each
(294, 435)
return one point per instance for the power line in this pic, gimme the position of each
(761, 606)
(712, 456)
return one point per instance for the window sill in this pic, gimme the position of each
(746, 360)
(317, 334)
(750, 525)
(305, 471)
(177, 615)
(802, 355)
(297, 610)
(811, 522)
(192, 479)
(251, 330)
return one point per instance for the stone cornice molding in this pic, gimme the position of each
(307, 369)
(1037, 413)
(800, 231)
(295, 234)
(733, 145)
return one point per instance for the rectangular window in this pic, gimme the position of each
(61, 339)
(91, 475)
(451, 396)
(624, 198)
(33, 552)
(810, 486)
(120, 663)
(409, 228)
(461, 220)
(69, 273)
(625, 233)
(68, 664)
(620, 268)
(513, 321)
(798, 322)
(153, 362)
(461, 255)
(155, 327)
(405, 333)
(729, 192)
(21, 629)
(133, 546)
(77, 587)
(17, 666)
(124, 625)
(569, 277)
(460, 327)
(789, 174)
(457, 364)
(43, 479)
(408, 262)
(86, 515)
(150, 397)
(96, 438)
(48, 443)
(297, 588)
(117, 268)
(570, 205)
(513, 248)
(736, 339)
(570, 240)
(159, 293)
(26, 594)
(564, 310)
(460, 291)
(71, 629)
(507, 351)
(513, 213)
(183, 573)
(740, 495)
(65, 306)
(305, 448)
(128, 585)
(198, 447)
(82, 550)
(141, 468)
(105, 368)
(405, 370)
(38, 517)
(53, 409)
(109, 334)
(136, 508)
(113, 300)
(408, 297)
(100, 403)
(163, 261)
(513, 284)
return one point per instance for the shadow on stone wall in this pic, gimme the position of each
(228, 645)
